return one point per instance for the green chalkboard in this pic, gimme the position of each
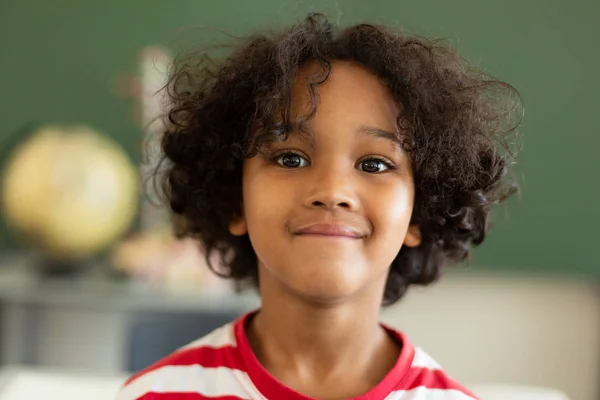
(58, 58)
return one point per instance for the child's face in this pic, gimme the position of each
(327, 213)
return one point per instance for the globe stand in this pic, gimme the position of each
(49, 267)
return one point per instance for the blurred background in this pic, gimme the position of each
(92, 281)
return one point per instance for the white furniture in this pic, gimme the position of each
(515, 392)
(27, 383)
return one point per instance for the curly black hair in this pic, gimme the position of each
(460, 121)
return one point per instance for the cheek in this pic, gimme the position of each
(392, 211)
(265, 200)
(267, 204)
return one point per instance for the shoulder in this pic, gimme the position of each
(422, 378)
(206, 368)
(426, 380)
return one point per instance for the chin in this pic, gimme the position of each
(322, 281)
(326, 291)
(324, 299)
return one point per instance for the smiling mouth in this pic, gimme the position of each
(330, 230)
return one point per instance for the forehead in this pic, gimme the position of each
(349, 94)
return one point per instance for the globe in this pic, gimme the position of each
(69, 191)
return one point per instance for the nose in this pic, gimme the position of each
(332, 188)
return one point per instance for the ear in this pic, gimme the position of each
(413, 236)
(238, 226)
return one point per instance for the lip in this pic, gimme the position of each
(330, 230)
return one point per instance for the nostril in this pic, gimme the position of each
(344, 205)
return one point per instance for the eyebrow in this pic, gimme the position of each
(307, 136)
(382, 134)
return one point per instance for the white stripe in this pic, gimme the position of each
(423, 360)
(209, 382)
(423, 393)
(248, 385)
(220, 337)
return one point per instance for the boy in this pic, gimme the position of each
(332, 168)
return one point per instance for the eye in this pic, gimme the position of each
(291, 160)
(375, 165)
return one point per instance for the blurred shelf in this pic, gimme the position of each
(95, 289)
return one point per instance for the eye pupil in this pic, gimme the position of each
(291, 160)
(371, 165)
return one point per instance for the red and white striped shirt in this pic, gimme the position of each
(222, 366)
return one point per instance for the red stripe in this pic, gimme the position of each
(208, 357)
(430, 379)
(184, 396)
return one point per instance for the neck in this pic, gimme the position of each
(308, 342)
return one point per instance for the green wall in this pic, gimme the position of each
(58, 58)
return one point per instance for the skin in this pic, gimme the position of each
(327, 212)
